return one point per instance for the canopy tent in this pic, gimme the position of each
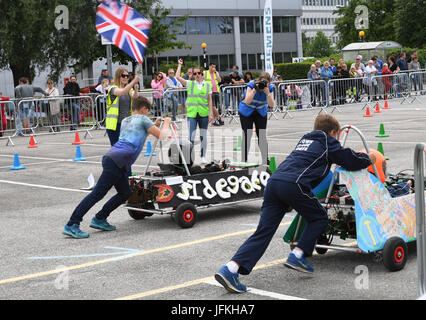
(368, 49)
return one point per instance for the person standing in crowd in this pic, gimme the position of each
(26, 91)
(199, 111)
(104, 75)
(402, 62)
(173, 84)
(290, 187)
(387, 84)
(54, 107)
(333, 68)
(101, 102)
(119, 102)
(314, 75)
(189, 75)
(3, 120)
(370, 84)
(116, 163)
(73, 89)
(393, 67)
(253, 109)
(236, 68)
(248, 76)
(158, 84)
(416, 78)
(275, 76)
(213, 78)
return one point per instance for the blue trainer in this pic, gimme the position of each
(230, 280)
(101, 225)
(299, 264)
(74, 231)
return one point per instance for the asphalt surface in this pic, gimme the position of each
(153, 258)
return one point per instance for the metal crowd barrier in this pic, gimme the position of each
(418, 83)
(230, 98)
(299, 95)
(172, 98)
(7, 118)
(33, 116)
(420, 217)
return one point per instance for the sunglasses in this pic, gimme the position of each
(124, 76)
(198, 73)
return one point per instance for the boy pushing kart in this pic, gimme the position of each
(290, 187)
(116, 163)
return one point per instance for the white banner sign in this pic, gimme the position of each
(268, 37)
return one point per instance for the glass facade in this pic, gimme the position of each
(205, 25)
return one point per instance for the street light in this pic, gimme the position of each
(204, 46)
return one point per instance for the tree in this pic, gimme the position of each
(409, 23)
(320, 47)
(381, 15)
(29, 39)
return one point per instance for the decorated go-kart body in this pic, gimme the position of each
(378, 213)
(180, 188)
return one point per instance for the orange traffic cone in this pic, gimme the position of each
(386, 107)
(367, 113)
(32, 143)
(377, 108)
(174, 130)
(77, 139)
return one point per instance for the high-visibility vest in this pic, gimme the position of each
(208, 77)
(198, 100)
(113, 110)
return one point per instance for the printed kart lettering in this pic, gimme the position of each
(223, 188)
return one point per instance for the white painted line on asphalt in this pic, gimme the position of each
(259, 292)
(42, 186)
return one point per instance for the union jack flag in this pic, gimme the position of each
(123, 26)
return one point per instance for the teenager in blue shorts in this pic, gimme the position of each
(290, 187)
(116, 163)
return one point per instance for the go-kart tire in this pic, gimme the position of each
(324, 241)
(138, 215)
(185, 215)
(395, 254)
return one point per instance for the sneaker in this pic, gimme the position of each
(74, 231)
(230, 280)
(101, 225)
(204, 160)
(299, 264)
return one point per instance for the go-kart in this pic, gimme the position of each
(360, 206)
(180, 188)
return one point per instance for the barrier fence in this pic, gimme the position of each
(55, 114)
(88, 112)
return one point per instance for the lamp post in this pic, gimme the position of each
(204, 46)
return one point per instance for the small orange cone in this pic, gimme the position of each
(367, 113)
(377, 108)
(32, 143)
(77, 139)
(386, 107)
(174, 130)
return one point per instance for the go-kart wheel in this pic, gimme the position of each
(324, 241)
(185, 215)
(138, 215)
(395, 254)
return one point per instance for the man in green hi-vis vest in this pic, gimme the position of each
(199, 108)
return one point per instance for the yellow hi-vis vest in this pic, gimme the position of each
(208, 77)
(198, 100)
(112, 110)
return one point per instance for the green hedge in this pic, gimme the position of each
(293, 71)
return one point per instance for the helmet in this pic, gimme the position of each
(381, 165)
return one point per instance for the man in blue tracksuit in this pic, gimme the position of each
(291, 187)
